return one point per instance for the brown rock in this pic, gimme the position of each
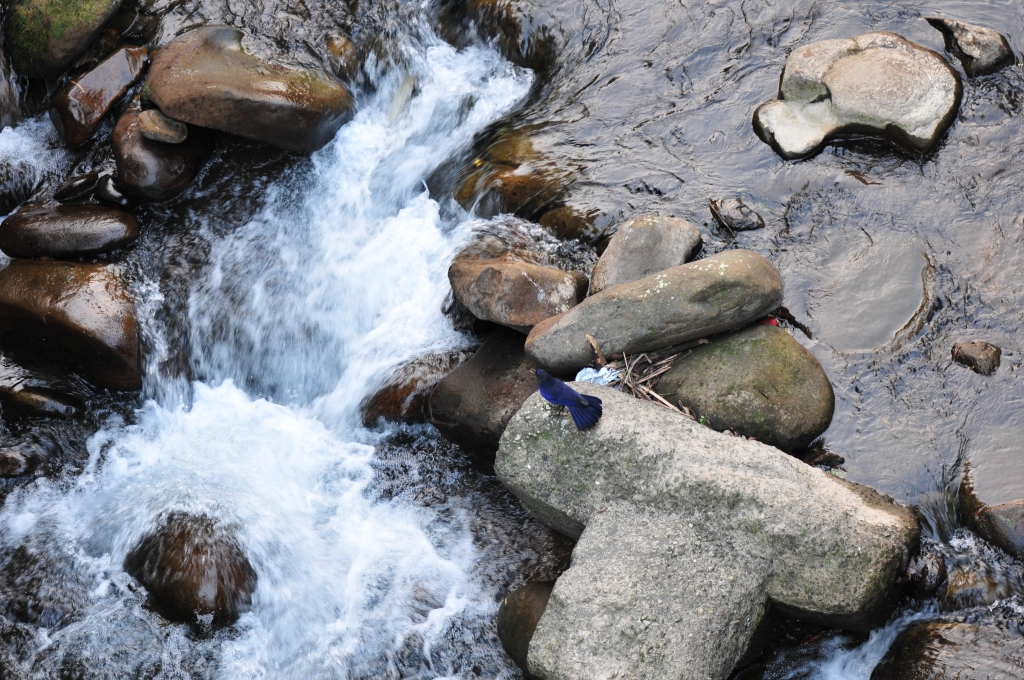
(344, 57)
(38, 401)
(194, 569)
(157, 127)
(404, 397)
(567, 222)
(643, 246)
(67, 231)
(77, 109)
(514, 293)
(206, 78)
(518, 616)
(154, 171)
(978, 356)
(953, 651)
(78, 189)
(79, 315)
(472, 406)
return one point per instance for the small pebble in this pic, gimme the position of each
(157, 127)
(108, 192)
(734, 215)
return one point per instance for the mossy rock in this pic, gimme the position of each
(46, 37)
(758, 382)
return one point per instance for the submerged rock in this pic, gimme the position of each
(78, 315)
(154, 171)
(517, 620)
(472, 406)
(954, 651)
(78, 189)
(157, 127)
(643, 246)
(980, 357)
(46, 37)
(77, 109)
(514, 293)
(67, 231)
(39, 401)
(404, 398)
(734, 215)
(696, 300)
(876, 83)
(685, 536)
(194, 569)
(205, 77)
(926, 574)
(981, 50)
(759, 382)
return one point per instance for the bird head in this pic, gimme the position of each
(542, 374)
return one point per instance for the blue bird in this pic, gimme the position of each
(584, 409)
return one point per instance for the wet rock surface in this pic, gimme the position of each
(157, 127)
(658, 501)
(404, 397)
(513, 293)
(79, 107)
(980, 50)
(207, 78)
(46, 37)
(980, 357)
(78, 315)
(67, 231)
(517, 620)
(643, 246)
(954, 651)
(734, 215)
(691, 301)
(78, 189)
(472, 406)
(759, 382)
(876, 83)
(154, 171)
(194, 570)
(38, 401)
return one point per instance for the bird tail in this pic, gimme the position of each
(587, 416)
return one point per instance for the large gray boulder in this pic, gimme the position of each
(206, 78)
(696, 300)
(980, 50)
(876, 83)
(643, 246)
(758, 382)
(685, 536)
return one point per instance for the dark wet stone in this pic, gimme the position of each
(78, 189)
(67, 231)
(877, 83)
(77, 109)
(344, 57)
(39, 401)
(518, 616)
(472, 406)
(734, 215)
(926, 574)
(976, 583)
(643, 246)
(46, 37)
(954, 651)
(194, 569)
(759, 382)
(109, 193)
(153, 171)
(980, 50)
(980, 357)
(567, 222)
(157, 127)
(206, 78)
(41, 586)
(514, 293)
(78, 315)
(403, 399)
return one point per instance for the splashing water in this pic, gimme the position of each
(305, 305)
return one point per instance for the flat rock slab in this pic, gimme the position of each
(67, 231)
(980, 50)
(46, 37)
(643, 246)
(79, 315)
(758, 382)
(205, 77)
(514, 293)
(876, 83)
(685, 536)
(696, 300)
(77, 109)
